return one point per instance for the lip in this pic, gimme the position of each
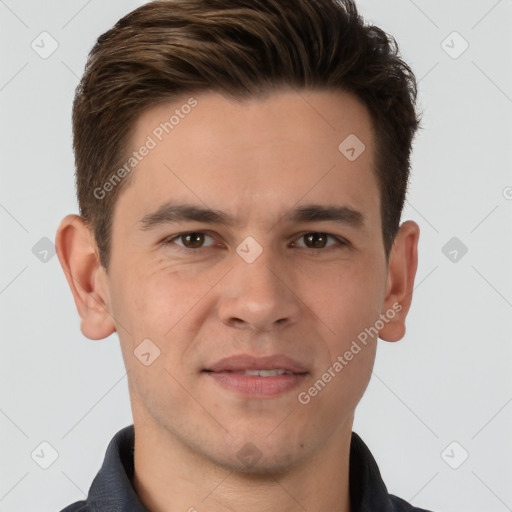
(223, 373)
(243, 362)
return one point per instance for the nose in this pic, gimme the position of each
(259, 296)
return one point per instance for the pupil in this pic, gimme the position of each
(317, 239)
(194, 240)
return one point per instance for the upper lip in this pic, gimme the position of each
(246, 362)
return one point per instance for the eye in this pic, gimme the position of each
(190, 240)
(318, 240)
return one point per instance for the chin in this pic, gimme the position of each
(254, 455)
(263, 467)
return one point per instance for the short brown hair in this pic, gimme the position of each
(240, 48)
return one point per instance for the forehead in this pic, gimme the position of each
(255, 154)
(280, 117)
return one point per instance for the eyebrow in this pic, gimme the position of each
(173, 213)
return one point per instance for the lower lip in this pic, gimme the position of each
(255, 386)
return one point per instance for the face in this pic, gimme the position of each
(246, 233)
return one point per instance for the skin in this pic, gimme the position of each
(255, 160)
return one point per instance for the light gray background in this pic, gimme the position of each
(448, 380)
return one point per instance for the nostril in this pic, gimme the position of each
(238, 322)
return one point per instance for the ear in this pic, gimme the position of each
(403, 262)
(78, 255)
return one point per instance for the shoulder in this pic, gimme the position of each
(400, 505)
(79, 506)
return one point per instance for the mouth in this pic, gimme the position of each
(257, 377)
(244, 363)
(262, 373)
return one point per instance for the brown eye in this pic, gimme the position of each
(316, 240)
(192, 240)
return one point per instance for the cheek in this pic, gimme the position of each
(349, 385)
(158, 298)
(160, 306)
(336, 390)
(169, 307)
(346, 297)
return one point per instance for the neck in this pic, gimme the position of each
(172, 477)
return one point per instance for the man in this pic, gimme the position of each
(241, 170)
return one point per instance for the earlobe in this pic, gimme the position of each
(78, 256)
(403, 262)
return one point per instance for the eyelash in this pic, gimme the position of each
(340, 242)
